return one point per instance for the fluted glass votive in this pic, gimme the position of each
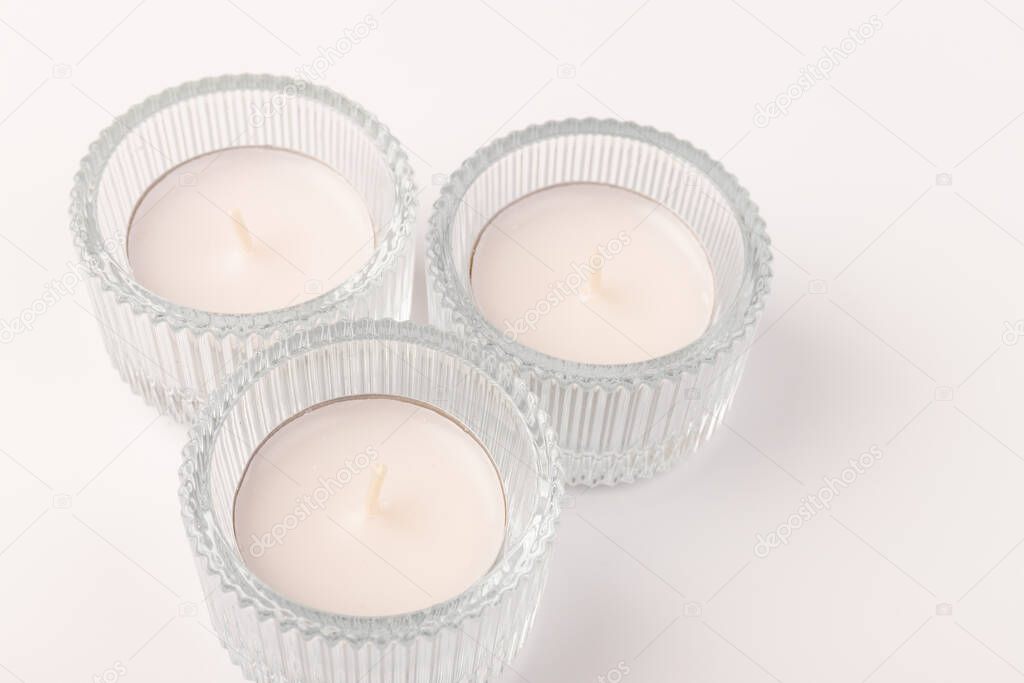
(469, 637)
(614, 422)
(171, 354)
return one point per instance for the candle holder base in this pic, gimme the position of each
(179, 404)
(632, 465)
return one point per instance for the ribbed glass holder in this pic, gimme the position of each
(614, 423)
(173, 355)
(468, 638)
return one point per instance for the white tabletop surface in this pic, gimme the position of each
(892, 194)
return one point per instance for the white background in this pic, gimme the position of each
(887, 326)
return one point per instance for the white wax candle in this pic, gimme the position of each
(593, 273)
(248, 229)
(370, 506)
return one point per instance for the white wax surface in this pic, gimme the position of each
(304, 524)
(308, 229)
(533, 275)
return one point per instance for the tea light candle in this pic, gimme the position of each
(370, 506)
(248, 229)
(593, 273)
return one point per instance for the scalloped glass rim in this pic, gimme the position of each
(719, 338)
(223, 560)
(93, 252)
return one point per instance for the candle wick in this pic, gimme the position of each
(373, 497)
(241, 231)
(592, 286)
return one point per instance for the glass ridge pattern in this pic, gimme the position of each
(617, 423)
(468, 638)
(173, 355)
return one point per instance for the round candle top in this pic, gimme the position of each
(248, 229)
(370, 506)
(593, 273)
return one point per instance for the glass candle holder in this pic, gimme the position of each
(467, 638)
(613, 423)
(173, 355)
